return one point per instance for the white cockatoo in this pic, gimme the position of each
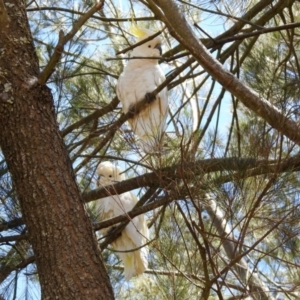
(136, 232)
(139, 78)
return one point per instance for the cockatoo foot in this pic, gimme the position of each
(111, 229)
(132, 111)
(150, 97)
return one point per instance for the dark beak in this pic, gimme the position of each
(158, 46)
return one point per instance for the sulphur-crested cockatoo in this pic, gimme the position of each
(135, 234)
(139, 78)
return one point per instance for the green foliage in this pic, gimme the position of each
(192, 252)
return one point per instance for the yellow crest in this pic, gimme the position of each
(138, 32)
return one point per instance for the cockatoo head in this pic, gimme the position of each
(148, 49)
(109, 174)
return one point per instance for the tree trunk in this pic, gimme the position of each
(67, 257)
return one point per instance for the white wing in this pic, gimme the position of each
(137, 80)
(137, 229)
(134, 235)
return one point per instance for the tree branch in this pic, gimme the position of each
(117, 231)
(141, 42)
(180, 29)
(71, 11)
(93, 116)
(256, 285)
(137, 210)
(6, 270)
(233, 30)
(63, 39)
(200, 167)
(256, 32)
(11, 224)
(137, 108)
(12, 238)
(245, 167)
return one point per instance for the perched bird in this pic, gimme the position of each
(136, 232)
(140, 77)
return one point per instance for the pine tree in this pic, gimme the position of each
(221, 197)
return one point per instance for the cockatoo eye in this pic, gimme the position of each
(110, 176)
(149, 46)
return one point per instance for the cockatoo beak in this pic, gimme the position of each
(158, 46)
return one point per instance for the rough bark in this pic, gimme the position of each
(67, 256)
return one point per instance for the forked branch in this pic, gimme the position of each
(62, 40)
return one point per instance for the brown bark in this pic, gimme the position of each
(67, 256)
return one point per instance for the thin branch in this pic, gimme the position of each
(257, 32)
(117, 231)
(208, 35)
(63, 39)
(160, 58)
(257, 287)
(242, 20)
(255, 167)
(12, 238)
(135, 109)
(93, 116)
(11, 224)
(6, 270)
(166, 273)
(136, 57)
(197, 168)
(180, 29)
(71, 11)
(188, 275)
(141, 42)
(236, 28)
(136, 211)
